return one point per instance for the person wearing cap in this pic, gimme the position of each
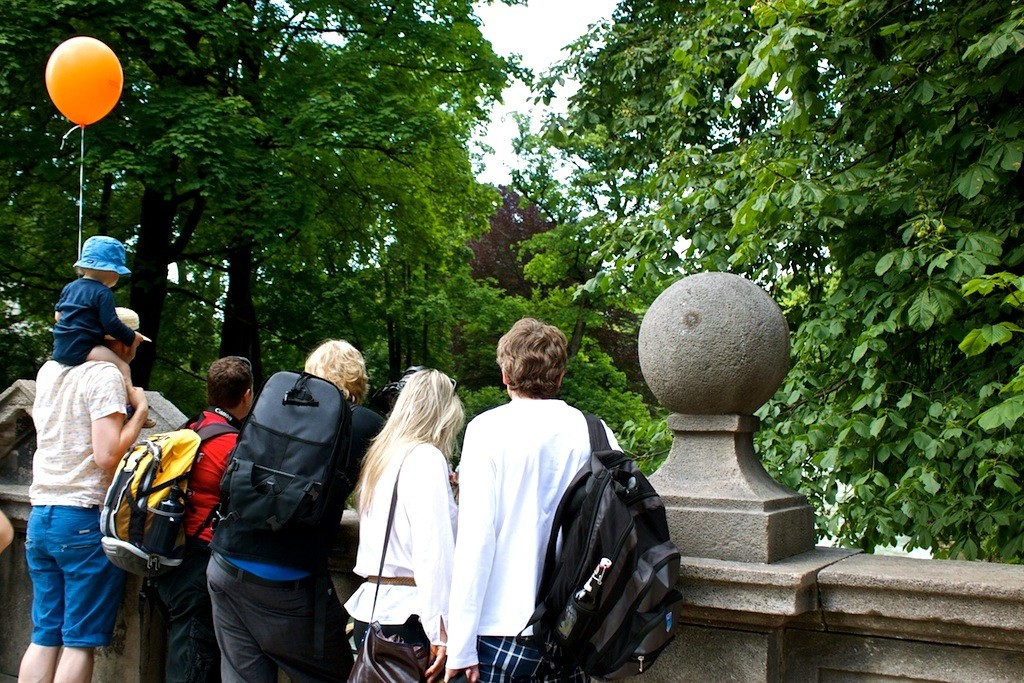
(82, 431)
(85, 315)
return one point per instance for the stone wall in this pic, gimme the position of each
(762, 603)
(122, 661)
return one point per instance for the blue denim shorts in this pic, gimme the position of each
(76, 592)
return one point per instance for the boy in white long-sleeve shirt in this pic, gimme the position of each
(517, 461)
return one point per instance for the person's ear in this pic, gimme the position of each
(504, 378)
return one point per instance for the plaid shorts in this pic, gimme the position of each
(511, 660)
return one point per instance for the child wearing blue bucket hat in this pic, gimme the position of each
(85, 312)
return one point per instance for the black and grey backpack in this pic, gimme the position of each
(608, 601)
(291, 462)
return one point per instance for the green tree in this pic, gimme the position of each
(541, 259)
(861, 160)
(281, 172)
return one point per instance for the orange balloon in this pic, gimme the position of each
(84, 79)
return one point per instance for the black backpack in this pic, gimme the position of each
(608, 601)
(291, 462)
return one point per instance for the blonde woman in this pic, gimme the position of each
(414, 447)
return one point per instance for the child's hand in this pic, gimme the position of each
(137, 397)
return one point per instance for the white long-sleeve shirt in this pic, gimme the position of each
(421, 544)
(517, 461)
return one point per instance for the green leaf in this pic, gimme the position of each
(922, 440)
(885, 263)
(1003, 415)
(929, 483)
(1006, 483)
(1012, 154)
(996, 334)
(974, 343)
(969, 184)
(921, 313)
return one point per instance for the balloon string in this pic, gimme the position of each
(81, 182)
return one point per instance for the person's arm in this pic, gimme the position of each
(112, 435)
(111, 324)
(424, 488)
(474, 548)
(6, 532)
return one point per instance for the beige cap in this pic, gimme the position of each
(129, 318)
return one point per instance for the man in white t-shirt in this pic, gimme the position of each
(81, 434)
(517, 461)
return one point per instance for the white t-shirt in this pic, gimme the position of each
(517, 461)
(68, 399)
(421, 545)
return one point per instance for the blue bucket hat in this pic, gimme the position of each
(103, 253)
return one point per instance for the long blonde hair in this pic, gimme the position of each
(427, 411)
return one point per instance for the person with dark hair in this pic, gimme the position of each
(264, 584)
(192, 652)
(517, 461)
(383, 400)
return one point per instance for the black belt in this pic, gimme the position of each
(242, 575)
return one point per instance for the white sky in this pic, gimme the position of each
(537, 32)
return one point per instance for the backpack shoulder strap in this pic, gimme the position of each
(208, 431)
(598, 435)
(598, 442)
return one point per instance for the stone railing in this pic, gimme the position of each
(762, 603)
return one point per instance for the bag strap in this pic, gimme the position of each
(206, 432)
(299, 394)
(387, 538)
(209, 431)
(598, 435)
(598, 442)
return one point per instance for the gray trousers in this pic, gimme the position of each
(263, 629)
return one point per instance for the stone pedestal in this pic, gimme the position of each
(713, 348)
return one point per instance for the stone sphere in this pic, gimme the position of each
(714, 344)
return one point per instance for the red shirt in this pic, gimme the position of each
(204, 481)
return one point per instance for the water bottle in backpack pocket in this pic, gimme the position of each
(143, 510)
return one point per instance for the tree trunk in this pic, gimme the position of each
(149, 277)
(578, 329)
(240, 332)
(394, 349)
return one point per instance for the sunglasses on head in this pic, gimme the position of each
(417, 368)
(245, 360)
